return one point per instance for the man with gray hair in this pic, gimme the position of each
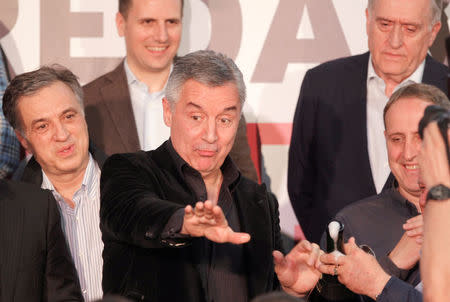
(174, 220)
(45, 108)
(337, 153)
(124, 106)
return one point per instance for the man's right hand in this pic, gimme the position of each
(407, 251)
(207, 220)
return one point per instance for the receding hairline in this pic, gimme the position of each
(124, 7)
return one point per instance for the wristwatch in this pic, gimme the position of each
(438, 192)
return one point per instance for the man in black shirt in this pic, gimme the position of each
(181, 223)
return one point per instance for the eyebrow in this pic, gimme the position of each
(43, 119)
(401, 22)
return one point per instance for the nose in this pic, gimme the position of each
(396, 36)
(210, 131)
(161, 34)
(61, 132)
(412, 149)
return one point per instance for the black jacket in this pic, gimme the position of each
(35, 263)
(139, 193)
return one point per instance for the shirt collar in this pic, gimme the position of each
(131, 77)
(397, 197)
(230, 172)
(88, 178)
(415, 77)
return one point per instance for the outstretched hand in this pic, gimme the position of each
(357, 270)
(297, 271)
(207, 220)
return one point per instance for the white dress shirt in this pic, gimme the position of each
(81, 227)
(376, 143)
(148, 112)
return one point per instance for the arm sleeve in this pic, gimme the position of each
(130, 209)
(398, 291)
(61, 279)
(301, 161)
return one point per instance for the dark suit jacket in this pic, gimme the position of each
(35, 263)
(110, 118)
(328, 159)
(139, 193)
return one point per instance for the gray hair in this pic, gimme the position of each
(206, 67)
(425, 92)
(30, 83)
(435, 7)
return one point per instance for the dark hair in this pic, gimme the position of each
(29, 83)
(428, 93)
(124, 6)
(207, 67)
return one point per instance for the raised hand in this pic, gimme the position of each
(406, 253)
(207, 220)
(432, 156)
(297, 271)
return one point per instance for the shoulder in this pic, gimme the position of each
(28, 195)
(335, 68)
(94, 86)
(365, 207)
(434, 65)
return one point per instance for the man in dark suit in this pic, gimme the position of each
(35, 262)
(45, 108)
(337, 153)
(123, 107)
(180, 223)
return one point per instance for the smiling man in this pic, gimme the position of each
(337, 153)
(45, 108)
(124, 107)
(175, 219)
(391, 222)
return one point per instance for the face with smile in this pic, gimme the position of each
(54, 129)
(399, 35)
(152, 31)
(403, 144)
(203, 124)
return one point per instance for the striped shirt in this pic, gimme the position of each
(81, 227)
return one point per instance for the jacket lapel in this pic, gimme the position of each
(11, 224)
(435, 74)
(118, 103)
(255, 219)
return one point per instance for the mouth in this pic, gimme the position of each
(412, 167)
(156, 49)
(66, 151)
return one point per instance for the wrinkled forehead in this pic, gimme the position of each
(404, 11)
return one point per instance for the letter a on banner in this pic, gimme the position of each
(283, 47)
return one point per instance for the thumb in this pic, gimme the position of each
(350, 246)
(238, 238)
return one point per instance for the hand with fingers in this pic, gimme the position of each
(297, 271)
(207, 220)
(433, 156)
(357, 270)
(407, 251)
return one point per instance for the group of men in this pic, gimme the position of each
(183, 219)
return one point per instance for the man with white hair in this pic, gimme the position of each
(337, 153)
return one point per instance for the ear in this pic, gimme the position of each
(120, 24)
(434, 31)
(367, 21)
(23, 141)
(167, 112)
